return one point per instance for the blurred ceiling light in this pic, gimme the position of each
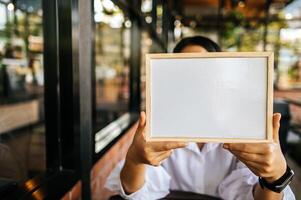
(177, 23)
(288, 16)
(99, 17)
(148, 19)
(108, 5)
(127, 23)
(146, 6)
(241, 4)
(10, 7)
(159, 10)
(98, 6)
(274, 11)
(116, 21)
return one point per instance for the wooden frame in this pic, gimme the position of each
(269, 94)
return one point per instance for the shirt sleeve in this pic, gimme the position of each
(239, 185)
(156, 186)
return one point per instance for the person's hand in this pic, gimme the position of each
(151, 153)
(264, 159)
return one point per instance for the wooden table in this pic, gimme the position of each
(17, 115)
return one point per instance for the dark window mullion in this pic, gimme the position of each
(51, 92)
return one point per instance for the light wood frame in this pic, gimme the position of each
(269, 102)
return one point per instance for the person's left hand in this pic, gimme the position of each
(263, 159)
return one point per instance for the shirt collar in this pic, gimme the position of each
(192, 146)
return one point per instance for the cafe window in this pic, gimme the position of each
(148, 45)
(289, 65)
(112, 53)
(22, 131)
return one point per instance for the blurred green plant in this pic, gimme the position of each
(245, 34)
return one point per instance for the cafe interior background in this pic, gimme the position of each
(34, 143)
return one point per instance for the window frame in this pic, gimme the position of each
(70, 96)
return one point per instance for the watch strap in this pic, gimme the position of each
(278, 185)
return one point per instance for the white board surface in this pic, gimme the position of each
(208, 97)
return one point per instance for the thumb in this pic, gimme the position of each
(276, 126)
(141, 124)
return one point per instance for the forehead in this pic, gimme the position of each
(193, 49)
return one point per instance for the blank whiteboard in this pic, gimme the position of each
(209, 97)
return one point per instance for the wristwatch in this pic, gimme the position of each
(280, 184)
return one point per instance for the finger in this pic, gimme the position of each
(276, 126)
(173, 145)
(156, 154)
(255, 168)
(164, 146)
(158, 157)
(251, 164)
(164, 156)
(142, 119)
(163, 153)
(249, 156)
(244, 147)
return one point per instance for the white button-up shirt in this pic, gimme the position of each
(211, 170)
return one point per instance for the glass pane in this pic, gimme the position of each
(22, 132)
(112, 51)
(148, 45)
(289, 59)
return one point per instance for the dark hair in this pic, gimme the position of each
(204, 42)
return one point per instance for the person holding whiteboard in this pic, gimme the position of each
(228, 171)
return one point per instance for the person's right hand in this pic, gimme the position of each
(151, 153)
